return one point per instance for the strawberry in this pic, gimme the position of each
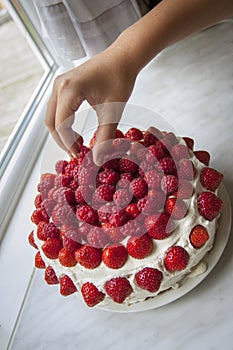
(91, 295)
(71, 240)
(210, 178)
(209, 205)
(89, 257)
(87, 214)
(176, 259)
(159, 226)
(138, 187)
(52, 247)
(114, 256)
(118, 289)
(179, 152)
(203, 157)
(169, 184)
(67, 286)
(39, 215)
(47, 230)
(153, 178)
(175, 207)
(31, 240)
(38, 200)
(39, 262)
(198, 236)
(126, 165)
(167, 165)
(122, 197)
(134, 134)
(149, 279)
(50, 276)
(189, 142)
(139, 247)
(97, 237)
(66, 257)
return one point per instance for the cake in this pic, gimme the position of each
(130, 229)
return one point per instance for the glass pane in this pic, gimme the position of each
(20, 72)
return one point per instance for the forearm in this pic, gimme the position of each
(167, 23)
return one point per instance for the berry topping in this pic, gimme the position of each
(153, 178)
(139, 247)
(114, 256)
(52, 247)
(87, 214)
(89, 257)
(126, 165)
(209, 205)
(122, 197)
(210, 179)
(39, 262)
(169, 184)
(149, 279)
(159, 226)
(175, 207)
(176, 259)
(50, 276)
(203, 156)
(198, 236)
(189, 142)
(31, 240)
(118, 289)
(138, 187)
(134, 134)
(167, 165)
(97, 237)
(91, 295)
(67, 286)
(179, 151)
(66, 257)
(108, 176)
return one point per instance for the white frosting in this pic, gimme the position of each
(180, 236)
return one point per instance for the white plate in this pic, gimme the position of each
(214, 255)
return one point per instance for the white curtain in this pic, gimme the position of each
(78, 28)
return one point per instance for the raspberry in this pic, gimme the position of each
(203, 157)
(31, 240)
(71, 240)
(155, 153)
(139, 188)
(103, 213)
(175, 207)
(86, 176)
(105, 192)
(179, 152)
(119, 134)
(169, 184)
(185, 190)
(83, 231)
(38, 200)
(39, 215)
(118, 218)
(97, 237)
(65, 196)
(114, 256)
(149, 279)
(120, 145)
(126, 165)
(211, 179)
(125, 179)
(83, 150)
(87, 214)
(198, 236)
(39, 262)
(63, 215)
(83, 194)
(189, 142)
(60, 166)
(186, 169)
(67, 286)
(176, 259)
(62, 181)
(74, 184)
(76, 172)
(167, 165)
(112, 232)
(139, 247)
(155, 132)
(47, 205)
(149, 139)
(159, 226)
(133, 228)
(47, 230)
(91, 295)
(145, 166)
(153, 178)
(118, 289)
(132, 210)
(169, 139)
(66, 257)
(89, 257)
(108, 176)
(112, 164)
(52, 247)
(122, 197)
(50, 276)
(209, 205)
(134, 134)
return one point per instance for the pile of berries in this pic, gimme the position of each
(90, 215)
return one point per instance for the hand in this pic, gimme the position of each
(105, 78)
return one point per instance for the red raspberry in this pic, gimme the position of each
(133, 228)
(89, 257)
(47, 230)
(76, 172)
(155, 132)
(86, 176)
(145, 166)
(48, 178)
(91, 295)
(63, 215)
(149, 279)
(209, 205)
(211, 178)
(103, 213)
(31, 240)
(66, 257)
(39, 215)
(97, 237)
(153, 178)
(114, 256)
(112, 164)
(38, 200)
(119, 134)
(203, 157)
(120, 145)
(134, 134)
(112, 232)
(122, 197)
(141, 153)
(155, 153)
(175, 207)
(125, 179)
(105, 192)
(83, 231)
(149, 139)
(47, 205)
(185, 190)
(52, 247)
(39, 262)
(108, 176)
(139, 188)
(169, 139)
(118, 218)
(67, 286)
(198, 236)
(132, 210)
(153, 202)
(179, 152)
(169, 184)
(159, 226)
(62, 181)
(167, 165)
(189, 142)
(127, 165)
(139, 247)
(60, 166)
(87, 214)
(83, 194)
(74, 184)
(50, 276)
(83, 150)
(65, 196)
(118, 289)
(176, 259)
(186, 169)
(71, 240)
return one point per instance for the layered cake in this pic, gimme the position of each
(134, 227)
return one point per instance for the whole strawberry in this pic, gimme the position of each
(39, 262)
(89, 257)
(198, 236)
(139, 247)
(50, 276)
(203, 157)
(67, 286)
(118, 289)
(114, 256)
(66, 257)
(211, 178)
(91, 295)
(209, 205)
(149, 279)
(176, 259)
(52, 247)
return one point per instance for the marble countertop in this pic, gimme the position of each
(190, 84)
